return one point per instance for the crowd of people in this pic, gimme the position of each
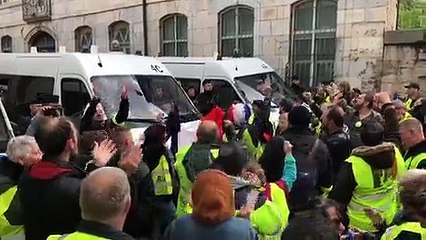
(340, 164)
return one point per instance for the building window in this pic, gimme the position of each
(83, 39)
(6, 44)
(314, 40)
(236, 31)
(174, 35)
(119, 36)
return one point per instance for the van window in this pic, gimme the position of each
(74, 96)
(4, 135)
(190, 82)
(18, 92)
(224, 93)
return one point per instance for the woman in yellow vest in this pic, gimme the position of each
(160, 162)
(368, 179)
(411, 223)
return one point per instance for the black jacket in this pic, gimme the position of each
(378, 157)
(102, 230)
(50, 200)
(87, 120)
(339, 146)
(204, 103)
(9, 177)
(314, 168)
(351, 120)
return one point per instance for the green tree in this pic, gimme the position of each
(412, 14)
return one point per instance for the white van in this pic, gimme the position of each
(232, 78)
(77, 77)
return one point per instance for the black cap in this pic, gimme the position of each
(372, 133)
(45, 98)
(299, 116)
(413, 85)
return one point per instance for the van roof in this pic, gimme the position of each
(80, 63)
(234, 67)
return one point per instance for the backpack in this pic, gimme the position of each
(197, 159)
(304, 192)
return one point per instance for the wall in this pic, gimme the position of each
(360, 30)
(359, 44)
(403, 64)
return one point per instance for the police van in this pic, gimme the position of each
(242, 79)
(77, 77)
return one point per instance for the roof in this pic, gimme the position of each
(81, 63)
(234, 67)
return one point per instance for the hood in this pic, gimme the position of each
(239, 182)
(381, 156)
(45, 170)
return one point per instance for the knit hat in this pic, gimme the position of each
(231, 159)
(212, 198)
(372, 133)
(299, 116)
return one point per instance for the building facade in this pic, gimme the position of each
(317, 40)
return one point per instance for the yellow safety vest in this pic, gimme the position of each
(273, 121)
(394, 231)
(255, 152)
(406, 116)
(183, 206)
(6, 228)
(271, 218)
(375, 189)
(408, 103)
(76, 236)
(162, 178)
(413, 162)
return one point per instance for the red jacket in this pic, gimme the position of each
(216, 115)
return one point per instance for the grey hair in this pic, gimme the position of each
(19, 147)
(102, 202)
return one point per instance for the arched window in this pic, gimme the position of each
(83, 39)
(236, 26)
(174, 35)
(314, 40)
(6, 44)
(119, 32)
(43, 41)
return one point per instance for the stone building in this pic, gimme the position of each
(317, 40)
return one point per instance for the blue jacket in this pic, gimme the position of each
(186, 227)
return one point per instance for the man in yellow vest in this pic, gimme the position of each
(368, 179)
(413, 140)
(22, 152)
(193, 159)
(401, 110)
(413, 96)
(104, 202)
(412, 223)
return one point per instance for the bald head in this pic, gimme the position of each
(208, 132)
(411, 132)
(105, 195)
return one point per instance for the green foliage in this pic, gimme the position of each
(412, 14)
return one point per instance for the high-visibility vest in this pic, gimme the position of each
(375, 189)
(408, 103)
(271, 218)
(414, 161)
(412, 227)
(6, 228)
(183, 206)
(406, 116)
(254, 151)
(76, 236)
(162, 178)
(273, 121)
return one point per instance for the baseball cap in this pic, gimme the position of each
(413, 85)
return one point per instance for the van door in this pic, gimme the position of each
(6, 131)
(224, 93)
(74, 96)
(18, 92)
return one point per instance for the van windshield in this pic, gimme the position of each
(271, 79)
(148, 96)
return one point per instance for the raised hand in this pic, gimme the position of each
(103, 152)
(130, 160)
